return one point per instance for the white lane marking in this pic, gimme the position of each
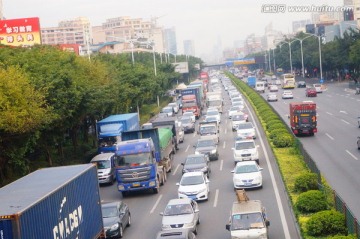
(328, 135)
(354, 157)
(329, 113)
(221, 164)
(225, 130)
(216, 197)
(342, 111)
(276, 189)
(345, 121)
(176, 169)
(187, 148)
(156, 203)
(224, 144)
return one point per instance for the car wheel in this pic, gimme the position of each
(121, 232)
(195, 231)
(198, 221)
(129, 221)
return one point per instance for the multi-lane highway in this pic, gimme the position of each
(334, 147)
(214, 213)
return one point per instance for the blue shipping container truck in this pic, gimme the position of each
(136, 160)
(52, 203)
(251, 81)
(109, 130)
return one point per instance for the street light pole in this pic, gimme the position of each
(273, 50)
(302, 55)
(132, 52)
(153, 48)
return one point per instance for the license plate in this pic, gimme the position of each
(136, 184)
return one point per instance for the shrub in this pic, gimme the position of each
(311, 201)
(343, 237)
(276, 125)
(326, 223)
(271, 122)
(283, 140)
(276, 132)
(305, 182)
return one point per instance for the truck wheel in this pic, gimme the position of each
(156, 190)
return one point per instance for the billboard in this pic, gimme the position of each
(20, 32)
(240, 61)
(181, 67)
(76, 48)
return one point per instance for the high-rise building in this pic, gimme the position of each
(129, 29)
(189, 48)
(76, 31)
(170, 41)
(1, 10)
(300, 26)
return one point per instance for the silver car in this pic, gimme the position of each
(181, 213)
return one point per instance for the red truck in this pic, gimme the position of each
(191, 101)
(303, 118)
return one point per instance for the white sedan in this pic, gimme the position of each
(194, 185)
(247, 174)
(287, 94)
(190, 114)
(245, 131)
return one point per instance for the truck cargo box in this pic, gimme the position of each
(58, 202)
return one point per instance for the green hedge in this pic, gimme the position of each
(305, 182)
(326, 223)
(311, 201)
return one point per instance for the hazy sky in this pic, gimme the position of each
(204, 22)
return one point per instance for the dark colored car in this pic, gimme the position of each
(310, 92)
(184, 233)
(301, 84)
(188, 125)
(197, 162)
(116, 217)
(207, 146)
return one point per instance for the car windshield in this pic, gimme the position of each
(245, 126)
(167, 110)
(189, 114)
(211, 119)
(208, 129)
(195, 160)
(192, 180)
(244, 145)
(215, 102)
(236, 108)
(205, 143)
(186, 120)
(247, 221)
(103, 164)
(179, 209)
(109, 211)
(238, 118)
(133, 159)
(246, 169)
(212, 113)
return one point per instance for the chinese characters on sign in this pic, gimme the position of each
(20, 32)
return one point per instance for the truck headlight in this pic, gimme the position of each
(121, 187)
(152, 183)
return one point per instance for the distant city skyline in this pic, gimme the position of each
(202, 21)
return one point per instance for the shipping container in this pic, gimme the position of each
(52, 203)
(109, 130)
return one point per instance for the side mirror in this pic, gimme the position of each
(161, 214)
(267, 223)
(232, 171)
(227, 227)
(260, 169)
(177, 184)
(182, 164)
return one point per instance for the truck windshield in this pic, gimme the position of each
(247, 221)
(107, 141)
(133, 159)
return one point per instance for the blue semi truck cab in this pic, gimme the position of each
(143, 158)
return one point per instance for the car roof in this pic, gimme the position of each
(248, 162)
(244, 141)
(177, 201)
(102, 157)
(196, 173)
(111, 204)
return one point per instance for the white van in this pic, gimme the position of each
(105, 167)
(248, 220)
(260, 86)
